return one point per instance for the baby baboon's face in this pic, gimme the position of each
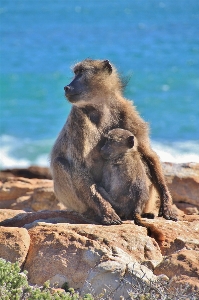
(92, 77)
(119, 141)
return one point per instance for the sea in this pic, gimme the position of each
(153, 43)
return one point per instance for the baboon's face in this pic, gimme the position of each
(89, 81)
(118, 142)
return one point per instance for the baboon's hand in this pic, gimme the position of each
(108, 216)
(110, 219)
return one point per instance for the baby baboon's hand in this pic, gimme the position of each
(110, 219)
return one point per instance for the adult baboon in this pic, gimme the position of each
(76, 163)
(125, 179)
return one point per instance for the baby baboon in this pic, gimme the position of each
(125, 182)
(76, 163)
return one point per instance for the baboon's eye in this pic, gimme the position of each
(78, 71)
(130, 141)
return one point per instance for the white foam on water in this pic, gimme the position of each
(19, 153)
(177, 152)
(11, 162)
(10, 145)
(43, 160)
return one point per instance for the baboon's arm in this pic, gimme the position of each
(153, 162)
(109, 215)
(87, 190)
(74, 185)
(76, 181)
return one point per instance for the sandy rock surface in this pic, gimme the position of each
(183, 183)
(59, 245)
(14, 244)
(28, 194)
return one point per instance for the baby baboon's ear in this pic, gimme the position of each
(108, 66)
(130, 141)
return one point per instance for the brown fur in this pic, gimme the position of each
(76, 163)
(125, 181)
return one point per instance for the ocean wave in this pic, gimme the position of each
(177, 152)
(16, 153)
(21, 153)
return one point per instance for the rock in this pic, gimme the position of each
(178, 235)
(188, 209)
(28, 194)
(110, 259)
(182, 281)
(44, 198)
(182, 267)
(31, 172)
(116, 276)
(6, 214)
(13, 188)
(182, 262)
(183, 182)
(181, 252)
(66, 247)
(83, 248)
(28, 219)
(14, 244)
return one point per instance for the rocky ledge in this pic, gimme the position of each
(55, 244)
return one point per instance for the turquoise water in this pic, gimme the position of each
(154, 43)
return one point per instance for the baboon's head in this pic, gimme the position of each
(118, 142)
(94, 80)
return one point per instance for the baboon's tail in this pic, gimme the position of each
(152, 230)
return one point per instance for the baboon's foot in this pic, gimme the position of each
(167, 213)
(165, 210)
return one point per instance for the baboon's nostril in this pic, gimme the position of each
(66, 88)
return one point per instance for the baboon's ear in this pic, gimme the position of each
(130, 141)
(108, 66)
